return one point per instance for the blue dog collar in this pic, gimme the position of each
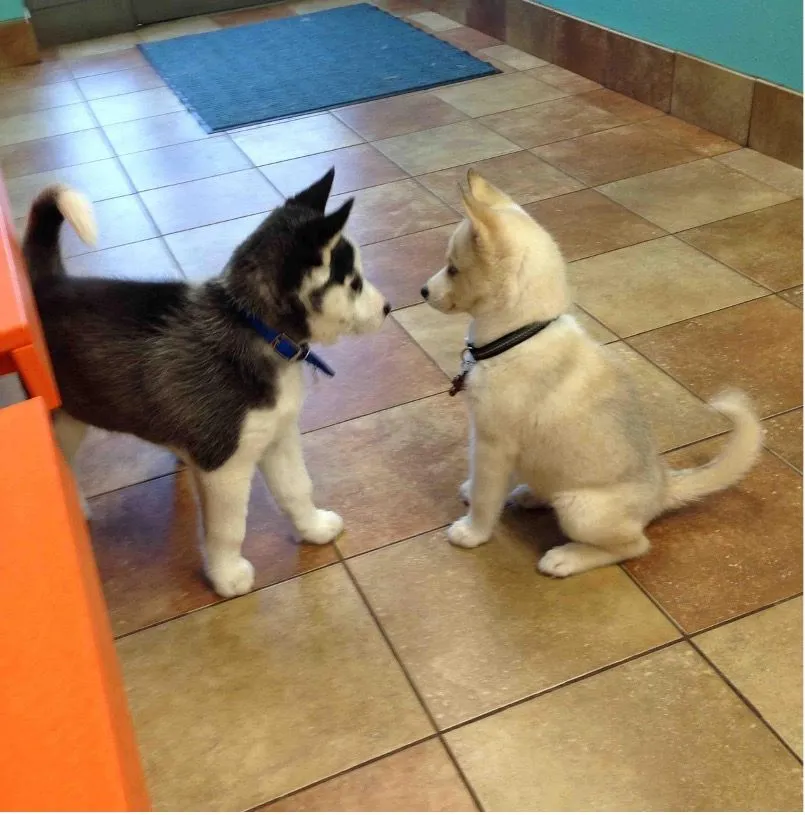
(286, 348)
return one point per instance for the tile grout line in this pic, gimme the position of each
(417, 693)
(689, 639)
(677, 232)
(150, 218)
(218, 601)
(361, 765)
(686, 637)
(750, 705)
(704, 401)
(564, 684)
(744, 614)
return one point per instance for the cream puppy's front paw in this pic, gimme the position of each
(462, 533)
(323, 527)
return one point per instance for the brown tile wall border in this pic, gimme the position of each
(746, 110)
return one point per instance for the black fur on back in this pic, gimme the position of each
(177, 364)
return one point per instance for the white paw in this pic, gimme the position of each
(323, 527)
(462, 533)
(521, 496)
(562, 561)
(465, 490)
(233, 578)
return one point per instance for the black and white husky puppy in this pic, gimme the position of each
(212, 371)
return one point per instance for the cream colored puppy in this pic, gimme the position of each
(555, 410)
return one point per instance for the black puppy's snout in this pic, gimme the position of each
(424, 292)
(387, 308)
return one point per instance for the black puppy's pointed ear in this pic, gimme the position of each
(328, 228)
(316, 195)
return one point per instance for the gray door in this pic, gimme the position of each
(156, 11)
(60, 21)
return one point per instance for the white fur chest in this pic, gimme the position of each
(263, 426)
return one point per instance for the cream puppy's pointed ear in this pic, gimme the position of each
(485, 192)
(480, 215)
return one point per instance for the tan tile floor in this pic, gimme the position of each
(391, 671)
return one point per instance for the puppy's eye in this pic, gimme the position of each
(452, 271)
(356, 285)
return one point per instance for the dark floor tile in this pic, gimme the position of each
(420, 446)
(418, 779)
(356, 168)
(586, 223)
(294, 138)
(552, 121)
(730, 553)
(146, 260)
(33, 76)
(402, 114)
(179, 163)
(765, 245)
(793, 295)
(613, 154)
(120, 221)
(248, 16)
(522, 175)
(43, 97)
(700, 141)
(122, 60)
(400, 267)
(110, 461)
(154, 132)
(784, 436)
(468, 39)
(41, 155)
(203, 252)
(392, 210)
(209, 200)
(373, 372)
(146, 540)
(756, 346)
(99, 86)
(129, 107)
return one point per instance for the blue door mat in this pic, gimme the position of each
(280, 68)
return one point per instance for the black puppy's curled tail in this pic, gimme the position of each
(50, 209)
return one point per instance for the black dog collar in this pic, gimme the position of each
(473, 354)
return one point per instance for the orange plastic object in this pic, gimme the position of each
(22, 345)
(67, 739)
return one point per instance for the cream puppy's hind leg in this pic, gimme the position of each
(488, 486)
(522, 496)
(599, 531)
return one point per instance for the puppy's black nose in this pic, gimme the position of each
(424, 292)
(387, 308)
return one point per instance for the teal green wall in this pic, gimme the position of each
(11, 10)
(761, 38)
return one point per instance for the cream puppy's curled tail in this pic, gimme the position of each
(735, 460)
(53, 206)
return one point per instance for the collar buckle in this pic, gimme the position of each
(301, 350)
